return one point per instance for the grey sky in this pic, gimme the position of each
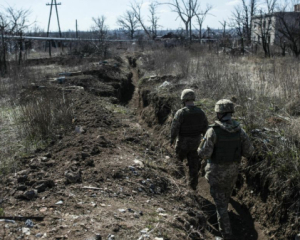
(84, 10)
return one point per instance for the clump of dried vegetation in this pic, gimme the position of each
(43, 115)
(33, 113)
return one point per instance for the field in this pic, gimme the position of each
(85, 144)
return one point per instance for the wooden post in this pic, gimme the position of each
(50, 43)
(76, 29)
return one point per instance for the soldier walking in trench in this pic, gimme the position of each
(188, 124)
(223, 146)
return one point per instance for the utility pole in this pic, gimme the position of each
(53, 3)
(76, 29)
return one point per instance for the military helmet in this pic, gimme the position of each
(224, 106)
(188, 95)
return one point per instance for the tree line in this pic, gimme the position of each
(252, 21)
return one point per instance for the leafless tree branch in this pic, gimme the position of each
(129, 23)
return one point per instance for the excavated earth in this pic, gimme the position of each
(111, 176)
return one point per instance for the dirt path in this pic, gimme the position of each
(243, 225)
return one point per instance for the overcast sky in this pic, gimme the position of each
(84, 10)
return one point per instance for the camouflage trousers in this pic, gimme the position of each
(186, 148)
(222, 178)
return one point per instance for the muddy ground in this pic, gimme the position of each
(111, 175)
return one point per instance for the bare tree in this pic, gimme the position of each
(288, 32)
(18, 20)
(35, 31)
(288, 28)
(264, 23)
(151, 31)
(225, 38)
(12, 22)
(248, 14)
(129, 23)
(3, 27)
(271, 4)
(100, 29)
(18, 25)
(238, 21)
(242, 18)
(153, 19)
(200, 19)
(223, 24)
(186, 10)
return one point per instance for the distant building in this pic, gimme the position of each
(271, 27)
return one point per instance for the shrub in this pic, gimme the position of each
(44, 114)
(176, 61)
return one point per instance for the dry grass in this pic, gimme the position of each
(29, 117)
(266, 92)
(10, 145)
(44, 115)
(31, 125)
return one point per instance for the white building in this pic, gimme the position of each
(271, 27)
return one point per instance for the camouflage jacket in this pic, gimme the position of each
(210, 139)
(178, 122)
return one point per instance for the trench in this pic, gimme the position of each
(126, 91)
(118, 88)
(244, 224)
(155, 111)
(258, 209)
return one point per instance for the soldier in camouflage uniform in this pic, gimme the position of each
(188, 124)
(225, 143)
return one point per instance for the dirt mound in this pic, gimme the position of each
(270, 201)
